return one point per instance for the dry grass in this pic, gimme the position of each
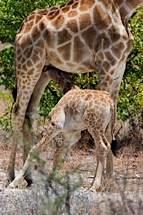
(128, 165)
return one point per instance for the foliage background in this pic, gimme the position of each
(130, 100)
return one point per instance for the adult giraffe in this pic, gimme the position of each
(79, 36)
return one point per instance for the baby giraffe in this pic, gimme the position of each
(76, 111)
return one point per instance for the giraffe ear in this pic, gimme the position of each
(75, 87)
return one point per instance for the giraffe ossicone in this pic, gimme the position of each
(78, 36)
(76, 111)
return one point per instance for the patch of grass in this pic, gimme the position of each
(6, 100)
(6, 119)
(6, 96)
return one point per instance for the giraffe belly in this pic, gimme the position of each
(74, 124)
(87, 66)
(81, 62)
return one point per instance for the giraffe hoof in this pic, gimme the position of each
(12, 185)
(18, 183)
(87, 186)
(7, 183)
(92, 189)
(9, 178)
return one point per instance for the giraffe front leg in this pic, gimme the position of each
(62, 151)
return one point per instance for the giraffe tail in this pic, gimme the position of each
(14, 94)
(114, 147)
(113, 120)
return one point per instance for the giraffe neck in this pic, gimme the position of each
(127, 7)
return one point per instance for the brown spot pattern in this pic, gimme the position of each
(83, 8)
(89, 36)
(49, 37)
(114, 34)
(65, 9)
(35, 33)
(100, 22)
(110, 57)
(55, 57)
(74, 5)
(72, 25)
(65, 51)
(29, 63)
(28, 52)
(63, 36)
(57, 23)
(106, 65)
(72, 13)
(37, 18)
(78, 53)
(84, 21)
(27, 27)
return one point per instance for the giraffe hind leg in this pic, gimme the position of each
(102, 148)
(25, 88)
(29, 117)
(49, 133)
